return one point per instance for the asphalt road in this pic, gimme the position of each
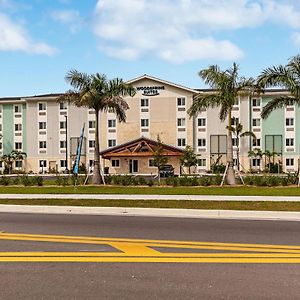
(60, 280)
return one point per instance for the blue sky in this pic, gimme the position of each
(40, 40)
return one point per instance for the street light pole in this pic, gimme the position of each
(67, 170)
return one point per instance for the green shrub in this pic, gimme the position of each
(4, 180)
(61, 180)
(150, 183)
(273, 180)
(218, 179)
(38, 180)
(26, 181)
(142, 181)
(16, 180)
(205, 181)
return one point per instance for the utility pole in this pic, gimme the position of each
(67, 169)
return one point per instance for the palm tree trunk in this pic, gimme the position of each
(230, 176)
(96, 172)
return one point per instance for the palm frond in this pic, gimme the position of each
(78, 80)
(248, 133)
(277, 103)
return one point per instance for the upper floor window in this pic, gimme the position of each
(289, 162)
(42, 125)
(18, 127)
(144, 122)
(201, 142)
(91, 144)
(289, 121)
(62, 144)
(201, 122)
(18, 108)
(62, 124)
(112, 143)
(62, 105)
(18, 146)
(181, 122)
(144, 102)
(201, 162)
(256, 143)
(255, 102)
(289, 142)
(115, 163)
(255, 122)
(42, 144)
(235, 121)
(42, 106)
(92, 124)
(181, 101)
(236, 102)
(112, 123)
(235, 142)
(181, 142)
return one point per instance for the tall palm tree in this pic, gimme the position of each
(238, 133)
(228, 87)
(96, 92)
(287, 77)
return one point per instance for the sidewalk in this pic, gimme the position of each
(151, 197)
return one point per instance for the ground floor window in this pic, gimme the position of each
(115, 163)
(256, 162)
(151, 163)
(63, 163)
(18, 164)
(181, 142)
(43, 163)
(289, 162)
(202, 162)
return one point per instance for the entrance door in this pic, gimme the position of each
(133, 166)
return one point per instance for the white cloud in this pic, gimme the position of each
(13, 37)
(183, 30)
(71, 18)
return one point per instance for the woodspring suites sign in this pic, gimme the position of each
(150, 90)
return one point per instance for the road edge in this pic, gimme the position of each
(152, 212)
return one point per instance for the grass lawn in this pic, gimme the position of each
(233, 191)
(228, 205)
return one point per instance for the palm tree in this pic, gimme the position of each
(287, 77)
(238, 133)
(10, 158)
(96, 92)
(229, 86)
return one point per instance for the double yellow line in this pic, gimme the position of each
(141, 250)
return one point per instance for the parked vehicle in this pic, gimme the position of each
(166, 171)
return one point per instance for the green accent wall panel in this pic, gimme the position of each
(274, 124)
(8, 128)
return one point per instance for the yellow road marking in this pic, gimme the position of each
(140, 250)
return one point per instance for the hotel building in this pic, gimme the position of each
(42, 127)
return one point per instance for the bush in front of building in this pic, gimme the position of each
(4, 180)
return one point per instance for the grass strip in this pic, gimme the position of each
(230, 191)
(186, 204)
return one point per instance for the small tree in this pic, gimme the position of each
(158, 156)
(188, 158)
(10, 158)
(255, 153)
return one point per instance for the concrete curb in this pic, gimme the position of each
(153, 212)
(151, 197)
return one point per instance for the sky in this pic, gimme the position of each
(41, 40)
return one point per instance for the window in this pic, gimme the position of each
(115, 163)
(1, 146)
(235, 121)
(91, 163)
(144, 102)
(256, 162)
(236, 102)
(42, 125)
(62, 144)
(235, 142)
(0, 127)
(43, 163)
(255, 122)
(289, 121)
(42, 144)
(92, 124)
(17, 108)
(92, 144)
(202, 162)
(151, 163)
(235, 162)
(63, 163)
(18, 146)
(181, 122)
(112, 143)
(181, 142)
(201, 122)
(289, 162)
(144, 122)
(42, 106)
(289, 142)
(62, 105)
(256, 143)
(181, 101)
(201, 142)
(18, 164)
(255, 102)
(111, 123)
(18, 127)
(290, 103)
(62, 124)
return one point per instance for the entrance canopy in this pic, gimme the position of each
(141, 147)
